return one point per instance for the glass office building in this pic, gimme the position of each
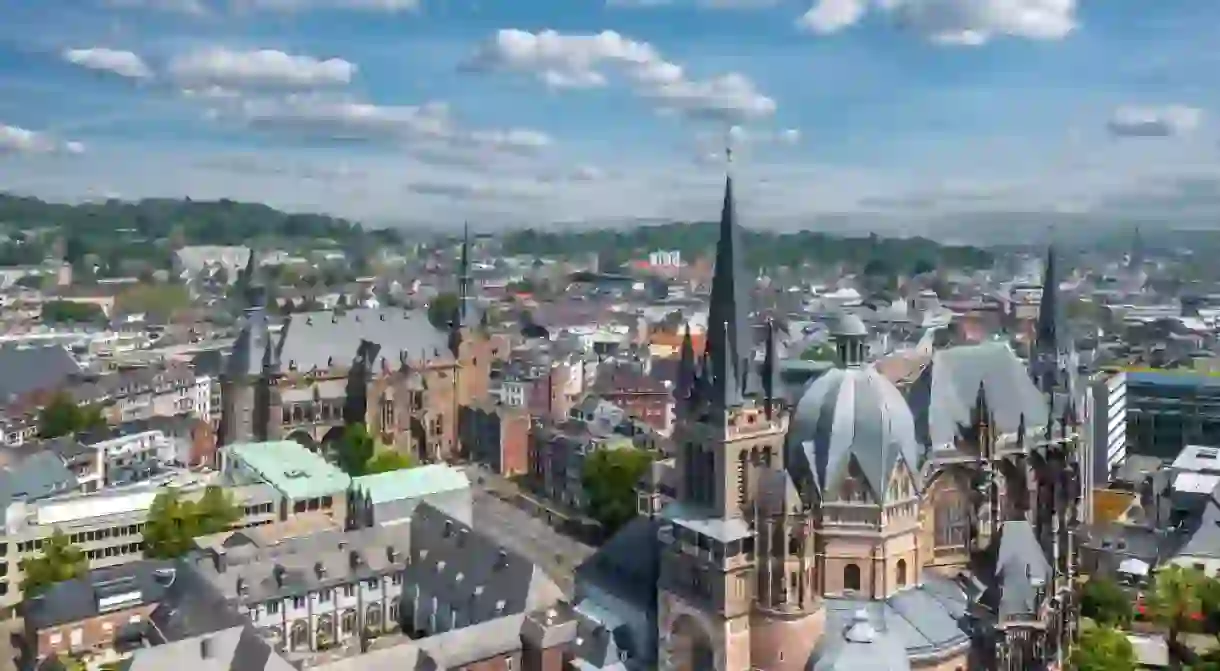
(1168, 410)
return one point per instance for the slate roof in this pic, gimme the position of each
(1203, 537)
(304, 564)
(312, 339)
(1020, 569)
(851, 416)
(82, 598)
(34, 368)
(237, 648)
(942, 398)
(927, 619)
(628, 563)
(38, 476)
(459, 565)
(861, 646)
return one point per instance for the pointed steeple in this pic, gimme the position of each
(462, 318)
(1048, 308)
(729, 344)
(684, 383)
(770, 369)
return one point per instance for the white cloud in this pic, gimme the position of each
(430, 125)
(17, 140)
(953, 22)
(582, 61)
(121, 63)
(264, 69)
(1165, 121)
(288, 6)
(702, 4)
(830, 16)
(189, 7)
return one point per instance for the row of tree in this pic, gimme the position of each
(763, 249)
(1180, 600)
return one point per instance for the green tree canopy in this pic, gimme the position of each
(762, 248)
(609, 479)
(1174, 603)
(173, 523)
(1103, 649)
(820, 352)
(354, 451)
(63, 417)
(1106, 602)
(72, 312)
(157, 299)
(388, 460)
(442, 308)
(59, 561)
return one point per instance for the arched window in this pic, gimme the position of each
(901, 571)
(851, 577)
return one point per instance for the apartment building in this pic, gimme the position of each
(107, 526)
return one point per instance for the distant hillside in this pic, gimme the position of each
(145, 231)
(763, 249)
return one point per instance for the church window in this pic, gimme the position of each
(743, 479)
(901, 571)
(951, 519)
(851, 577)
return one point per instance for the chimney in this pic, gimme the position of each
(205, 647)
(320, 569)
(278, 573)
(221, 563)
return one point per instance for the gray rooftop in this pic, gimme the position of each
(100, 591)
(851, 424)
(237, 648)
(323, 339)
(304, 564)
(30, 368)
(943, 397)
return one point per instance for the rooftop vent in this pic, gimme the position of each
(320, 569)
(391, 554)
(1207, 453)
(205, 647)
(294, 474)
(278, 574)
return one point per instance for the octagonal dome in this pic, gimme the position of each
(851, 415)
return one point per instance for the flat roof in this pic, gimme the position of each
(411, 483)
(290, 467)
(1172, 378)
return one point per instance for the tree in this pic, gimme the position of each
(355, 449)
(72, 312)
(1105, 601)
(156, 299)
(173, 524)
(442, 308)
(60, 560)
(820, 352)
(609, 479)
(1174, 603)
(63, 417)
(1103, 649)
(388, 460)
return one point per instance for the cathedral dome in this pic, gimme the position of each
(851, 422)
(862, 647)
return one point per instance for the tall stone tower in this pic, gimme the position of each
(468, 343)
(729, 432)
(247, 383)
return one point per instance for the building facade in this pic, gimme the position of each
(1168, 410)
(389, 368)
(945, 519)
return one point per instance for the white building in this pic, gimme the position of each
(671, 258)
(1106, 433)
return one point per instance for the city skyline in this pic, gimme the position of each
(887, 115)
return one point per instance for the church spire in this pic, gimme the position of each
(1045, 357)
(729, 344)
(685, 382)
(462, 318)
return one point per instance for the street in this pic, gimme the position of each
(557, 554)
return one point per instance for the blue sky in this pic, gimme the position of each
(879, 114)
